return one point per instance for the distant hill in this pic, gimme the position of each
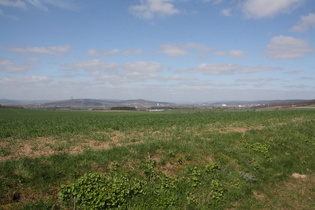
(8, 102)
(103, 104)
(267, 102)
(11, 107)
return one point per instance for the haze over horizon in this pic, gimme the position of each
(157, 50)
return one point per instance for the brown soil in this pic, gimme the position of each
(45, 146)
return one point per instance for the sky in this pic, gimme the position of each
(181, 51)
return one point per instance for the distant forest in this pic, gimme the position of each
(123, 108)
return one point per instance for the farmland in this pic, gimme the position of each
(145, 160)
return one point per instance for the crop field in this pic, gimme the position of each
(165, 160)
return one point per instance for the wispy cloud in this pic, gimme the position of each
(103, 52)
(117, 73)
(267, 8)
(257, 82)
(306, 23)
(131, 69)
(24, 80)
(293, 72)
(54, 50)
(250, 80)
(286, 47)
(93, 52)
(94, 64)
(227, 12)
(231, 53)
(64, 4)
(307, 78)
(11, 67)
(236, 53)
(40, 4)
(174, 50)
(148, 9)
(142, 67)
(13, 3)
(226, 69)
(298, 86)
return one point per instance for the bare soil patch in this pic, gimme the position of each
(235, 127)
(45, 146)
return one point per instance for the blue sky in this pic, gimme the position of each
(162, 50)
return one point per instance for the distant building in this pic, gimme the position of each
(156, 110)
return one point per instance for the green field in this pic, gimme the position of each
(164, 160)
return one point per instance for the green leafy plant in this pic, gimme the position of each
(260, 148)
(95, 191)
(148, 167)
(217, 191)
(195, 174)
(212, 167)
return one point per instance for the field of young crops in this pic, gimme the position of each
(165, 160)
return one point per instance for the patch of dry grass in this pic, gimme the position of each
(296, 193)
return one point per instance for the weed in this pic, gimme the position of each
(248, 177)
(95, 191)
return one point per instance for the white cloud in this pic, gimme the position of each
(12, 3)
(39, 4)
(231, 53)
(114, 51)
(298, 86)
(197, 46)
(116, 73)
(176, 77)
(306, 22)
(214, 1)
(33, 59)
(236, 53)
(174, 50)
(286, 47)
(133, 52)
(293, 72)
(24, 80)
(11, 67)
(307, 78)
(92, 65)
(4, 61)
(150, 8)
(119, 73)
(54, 50)
(268, 8)
(133, 72)
(219, 53)
(142, 67)
(250, 80)
(64, 4)
(226, 12)
(103, 52)
(225, 69)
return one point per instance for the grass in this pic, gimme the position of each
(188, 160)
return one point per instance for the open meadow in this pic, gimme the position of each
(157, 160)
